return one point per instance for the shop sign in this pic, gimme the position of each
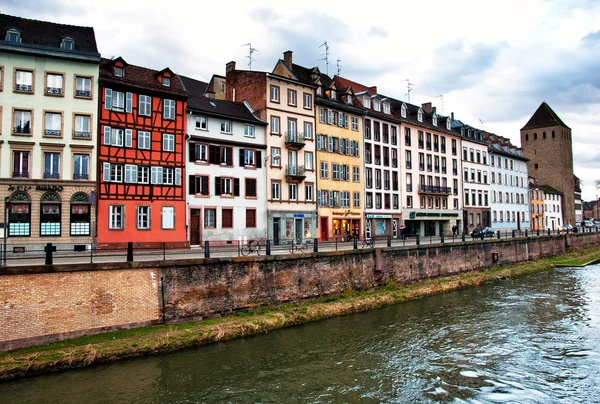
(345, 213)
(45, 188)
(298, 214)
(371, 216)
(413, 215)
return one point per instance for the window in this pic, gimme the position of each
(356, 199)
(324, 172)
(366, 101)
(330, 117)
(274, 124)
(143, 174)
(201, 123)
(308, 130)
(248, 130)
(307, 101)
(356, 174)
(210, 218)
(292, 97)
(52, 124)
(275, 190)
(168, 217)
(376, 105)
(50, 217)
(168, 142)
(54, 84)
(227, 218)
(168, 175)
(145, 105)
(82, 127)
(166, 81)
(115, 100)
(51, 165)
(80, 215)
(156, 175)
(169, 109)
(81, 166)
(386, 108)
(225, 184)
(308, 160)
(12, 35)
(20, 164)
(143, 140)
(308, 192)
(250, 218)
(83, 87)
(22, 122)
(116, 215)
(248, 157)
(293, 190)
(119, 71)
(250, 187)
(354, 123)
(226, 126)
(24, 81)
(420, 115)
(143, 217)
(275, 94)
(130, 173)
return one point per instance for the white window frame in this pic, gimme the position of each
(145, 105)
(116, 214)
(169, 109)
(168, 142)
(226, 126)
(201, 123)
(249, 130)
(143, 217)
(144, 140)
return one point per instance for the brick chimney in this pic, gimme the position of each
(229, 67)
(287, 58)
(452, 115)
(427, 107)
(374, 89)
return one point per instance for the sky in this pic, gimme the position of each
(492, 63)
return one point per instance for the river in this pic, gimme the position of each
(534, 339)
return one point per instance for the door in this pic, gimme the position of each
(298, 228)
(395, 228)
(367, 228)
(292, 162)
(324, 228)
(519, 221)
(195, 227)
(276, 237)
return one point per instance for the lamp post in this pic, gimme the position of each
(5, 230)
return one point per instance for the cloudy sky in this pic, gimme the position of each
(490, 62)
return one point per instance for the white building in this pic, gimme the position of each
(553, 215)
(226, 169)
(508, 185)
(48, 109)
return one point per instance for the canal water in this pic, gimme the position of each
(535, 339)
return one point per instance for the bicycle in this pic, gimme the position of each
(298, 246)
(253, 246)
(368, 242)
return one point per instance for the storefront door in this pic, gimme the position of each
(298, 229)
(276, 236)
(195, 227)
(324, 228)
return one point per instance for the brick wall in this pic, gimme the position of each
(250, 87)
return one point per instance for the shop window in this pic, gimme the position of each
(50, 215)
(19, 217)
(80, 217)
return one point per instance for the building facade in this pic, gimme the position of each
(545, 134)
(552, 208)
(141, 157)
(226, 170)
(48, 106)
(536, 206)
(287, 104)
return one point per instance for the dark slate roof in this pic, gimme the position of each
(303, 74)
(140, 78)
(549, 190)
(544, 117)
(497, 143)
(49, 34)
(210, 106)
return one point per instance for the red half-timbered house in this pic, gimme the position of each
(141, 162)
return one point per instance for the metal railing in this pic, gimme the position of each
(435, 189)
(295, 171)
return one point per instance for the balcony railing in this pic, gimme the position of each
(22, 129)
(53, 90)
(421, 144)
(454, 171)
(422, 167)
(434, 189)
(436, 147)
(50, 175)
(428, 144)
(80, 176)
(295, 139)
(20, 174)
(52, 132)
(408, 164)
(443, 170)
(81, 135)
(83, 93)
(443, 149)
(429, 167)
(297, 173)
(24, 87)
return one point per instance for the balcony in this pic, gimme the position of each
(83, 93)
(294, 140)
(28, 88)
(52, 132)
(50, 175)
(20, 174)
(80, 176)
(53, 90)
(81, 135)
(295, 173)
(434, 189)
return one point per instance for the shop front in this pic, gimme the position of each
(382, 225)
(339, 224)
(431, 223)
(285, 226)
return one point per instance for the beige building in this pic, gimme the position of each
(48, 106)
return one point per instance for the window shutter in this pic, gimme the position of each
(191, 184)
(106, 172)
(258, 159)
(229, 156)
(128, 100)
(242, 158)
(217, 185)
(236, 187)
(214, 153)
(205, 186)
(107, 98)
(128, 137)
(192, 152)
(107, 132)
(178, 176)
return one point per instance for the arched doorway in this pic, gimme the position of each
(19, 217)
(80, 217)
(50, 215)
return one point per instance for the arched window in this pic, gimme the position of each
(535, 136)
(19, 218)
(527, 137)
(544, 135)
(50, 215)
(553, 134)
(13, 35)
(80, 215)
(67, 43)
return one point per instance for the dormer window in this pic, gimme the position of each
(386, 108)
(118, 71)
(67, 43)
(349, 100)
(12, 35)
(376, 105)
(366, 101)
(403, 111)
(434, 119)
(166, 81)
(319, 90)
(420, 115)
(448, 124)
(333, 94)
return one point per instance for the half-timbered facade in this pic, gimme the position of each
(225, 169)
(141, 156)
(48, 103)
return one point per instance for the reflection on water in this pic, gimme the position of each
(535, 339)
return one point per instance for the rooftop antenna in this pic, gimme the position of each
(251, 50)
(326, 58)
(339, 68)
(481, 121)
(441, 97)
(409, 87)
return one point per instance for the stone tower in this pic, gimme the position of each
(546, 142)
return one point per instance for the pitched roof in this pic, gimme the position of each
(549, 190)
(49, 34)
(544, 117)
(139, 77)
(210, 106)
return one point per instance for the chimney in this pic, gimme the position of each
(374, 89)
(427, 107)
(287, 58)
(229, 67)
(452, 115)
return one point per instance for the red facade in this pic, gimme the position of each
(141, 162)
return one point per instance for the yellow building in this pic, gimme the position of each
(536, 199)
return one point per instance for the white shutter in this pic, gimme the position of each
(107, 98)
(178, 176)
(106, 172)
(107, 134)
(128, 136)
(168, 217)
(128, 101)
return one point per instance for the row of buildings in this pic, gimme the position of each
(97, 150)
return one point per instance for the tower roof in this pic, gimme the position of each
(544, 117)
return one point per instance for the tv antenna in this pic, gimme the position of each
(409, 87)
(441, 97)
(339, 68)
(251, 50)
(326, 58)
(481, 121)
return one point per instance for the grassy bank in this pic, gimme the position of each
(113, 346)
